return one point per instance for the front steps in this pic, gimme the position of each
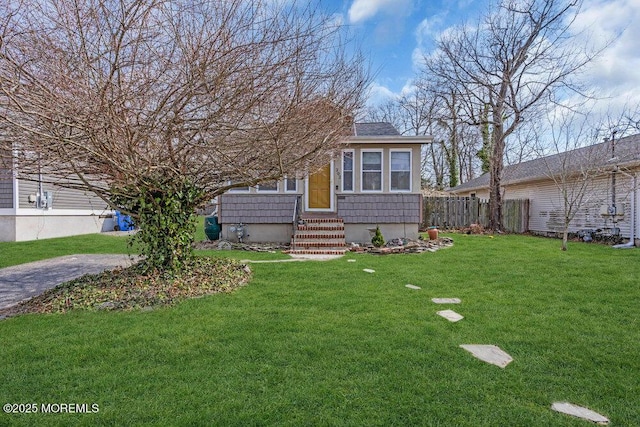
(319, 236)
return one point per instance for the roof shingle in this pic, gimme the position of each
(627, 150)
(375, 129)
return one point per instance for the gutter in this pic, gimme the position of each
(632, 239)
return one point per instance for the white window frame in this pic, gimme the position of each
(286, 188)
(362, 171)
(277, 190)
(240, 190)
(353, 170)
(407, 150)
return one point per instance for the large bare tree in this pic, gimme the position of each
(158, 106)
(516, 59)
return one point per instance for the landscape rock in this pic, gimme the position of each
(446, 300)
(405, 246)
(580, 412)
(450, 315)
(253, 247)
(491, 354)
(107, 306)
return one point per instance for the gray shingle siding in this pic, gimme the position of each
(379, 208)
(257, 208)
(6, 189)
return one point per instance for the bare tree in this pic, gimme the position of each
(388, 112)
(159, 106)
(413, 114)
(574, 162)
(579, 163)
(516, 59)
(458, 140)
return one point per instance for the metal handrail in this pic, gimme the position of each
(296, 218)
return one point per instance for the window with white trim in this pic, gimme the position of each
(347, 170)
(372, 170)
(290, 185)
(400, 170)
(268, 187)
(239, 189)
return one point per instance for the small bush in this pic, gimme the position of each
(377, 240)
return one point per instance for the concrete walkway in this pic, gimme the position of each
(25, 281)
(294, 258)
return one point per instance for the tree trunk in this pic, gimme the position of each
(495, 175)
(565, 237)
(164, 208)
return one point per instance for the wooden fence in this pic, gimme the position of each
(460, 212)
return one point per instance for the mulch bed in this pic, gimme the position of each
(131, 288)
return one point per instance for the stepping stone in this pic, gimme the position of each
(412, 287)
(450, 315)
(489, 353)
(446, 300)
(368, 270)
(351, 260)
(580, 412)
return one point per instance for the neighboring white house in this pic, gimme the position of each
(31, 210)
(610, 201)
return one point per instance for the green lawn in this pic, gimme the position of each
(12, 253)
(328, 344)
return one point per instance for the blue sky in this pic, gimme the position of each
(395, 34)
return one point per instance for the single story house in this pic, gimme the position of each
(31, 210)
(610, 195)
(373, 181)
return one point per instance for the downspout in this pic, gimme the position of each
(632, 238)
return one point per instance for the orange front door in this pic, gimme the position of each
(320, 189)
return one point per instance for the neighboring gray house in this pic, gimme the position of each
(374, 181)
(31, 210)
(610, 202)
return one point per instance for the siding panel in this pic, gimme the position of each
(370, 209)
(547, 210)
(6, 189)
(63, 198)
(256, 208)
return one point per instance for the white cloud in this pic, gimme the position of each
(361, 10)
(427, 33)
(379, 94)
(614, 75)
(337, 19)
